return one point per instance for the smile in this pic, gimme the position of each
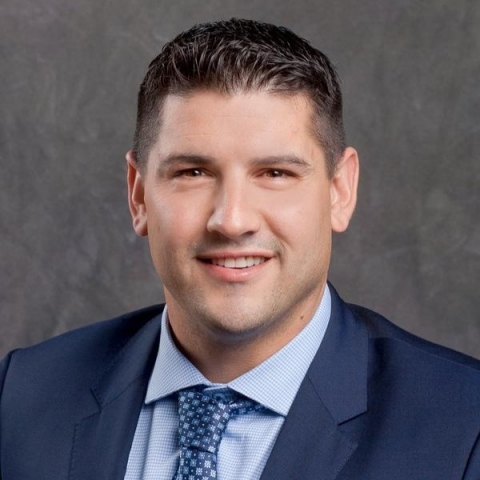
(239, 262)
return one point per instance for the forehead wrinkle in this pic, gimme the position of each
(190, 134)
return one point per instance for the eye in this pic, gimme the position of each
(277, 173)
(190, 172)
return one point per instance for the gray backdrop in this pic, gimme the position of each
(68, 81)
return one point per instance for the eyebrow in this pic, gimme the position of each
(184, 159)
(282, 160)
(201, 160)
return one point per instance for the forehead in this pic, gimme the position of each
(252, 121)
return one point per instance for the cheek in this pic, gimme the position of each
(302, 216)
(173, 223)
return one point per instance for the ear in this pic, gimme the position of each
(343, 190)
(136, 196)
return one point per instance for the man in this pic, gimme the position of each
(255, 368)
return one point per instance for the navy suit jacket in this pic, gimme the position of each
(377, 403)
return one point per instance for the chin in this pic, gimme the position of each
(231, 326)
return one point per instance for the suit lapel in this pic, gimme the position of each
(321, 430)
(319, 434)
(103, 438)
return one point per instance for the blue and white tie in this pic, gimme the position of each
(202, 421)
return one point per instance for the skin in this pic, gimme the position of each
(234, 176)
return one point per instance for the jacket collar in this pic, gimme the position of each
(319, 434)
(339, 371)
(103, 437)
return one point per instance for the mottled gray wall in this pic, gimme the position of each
(69, 72)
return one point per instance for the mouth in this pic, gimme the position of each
(236, 262)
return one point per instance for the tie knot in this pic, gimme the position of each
(203, 419)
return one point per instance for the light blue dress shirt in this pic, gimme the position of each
(248, 439)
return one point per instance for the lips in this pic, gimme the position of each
(238, 262)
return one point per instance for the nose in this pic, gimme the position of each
(235, 214)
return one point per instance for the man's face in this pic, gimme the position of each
(238, 209)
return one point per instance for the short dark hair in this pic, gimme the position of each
(242, 56)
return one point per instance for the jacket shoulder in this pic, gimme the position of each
(83, 351)
(380, 330)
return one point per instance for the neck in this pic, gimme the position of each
(222, 363)
(222, 356)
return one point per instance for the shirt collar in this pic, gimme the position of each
(173, 371)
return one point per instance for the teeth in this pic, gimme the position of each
(240, 262)
(230, 262)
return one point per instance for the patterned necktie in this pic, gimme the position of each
(203, 420)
